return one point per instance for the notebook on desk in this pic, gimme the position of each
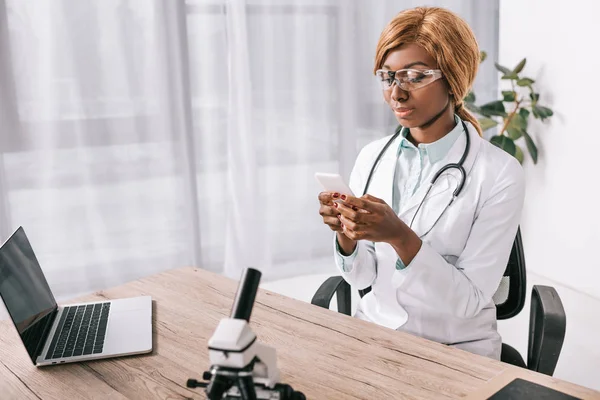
(523, 389)
(54, 334)
(519, 383)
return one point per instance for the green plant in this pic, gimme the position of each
(512, 112)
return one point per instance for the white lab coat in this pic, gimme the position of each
(445, 293)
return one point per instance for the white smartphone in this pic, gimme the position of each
(333, 183)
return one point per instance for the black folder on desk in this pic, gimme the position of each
(519, 389)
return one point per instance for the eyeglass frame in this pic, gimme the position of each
(437, 74)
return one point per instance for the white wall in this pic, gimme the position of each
(561, 219)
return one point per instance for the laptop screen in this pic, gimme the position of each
(25, 291)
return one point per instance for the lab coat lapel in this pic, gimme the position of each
(383, 179)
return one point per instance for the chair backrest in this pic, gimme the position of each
(510, 295)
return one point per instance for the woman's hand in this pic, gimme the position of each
(331, 218)
(370, 218)
(328, 211)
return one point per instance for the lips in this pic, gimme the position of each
(403, 112)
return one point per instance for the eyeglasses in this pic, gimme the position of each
(407, 79)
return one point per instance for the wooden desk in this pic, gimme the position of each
(324, 354)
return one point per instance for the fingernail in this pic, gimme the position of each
(335, 205)
(336, 195)
(343, 197)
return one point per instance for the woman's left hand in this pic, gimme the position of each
(369, 218)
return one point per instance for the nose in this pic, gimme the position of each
(399, 94)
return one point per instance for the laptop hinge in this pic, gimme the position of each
(47, 328)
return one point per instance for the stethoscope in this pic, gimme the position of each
(458, 166)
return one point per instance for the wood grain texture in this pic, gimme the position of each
(324, 354)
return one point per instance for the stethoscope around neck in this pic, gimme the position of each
(458, 166)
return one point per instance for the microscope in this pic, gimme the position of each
(241, 367)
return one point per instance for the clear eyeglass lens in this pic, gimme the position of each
(408, 79)
(413, 78)
(386, 79)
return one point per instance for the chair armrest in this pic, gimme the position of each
(547, 325)
(333, 285)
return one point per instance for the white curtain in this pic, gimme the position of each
(139, 136)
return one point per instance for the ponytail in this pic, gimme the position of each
(465, 115)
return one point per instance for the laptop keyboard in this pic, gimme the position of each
(81, 331)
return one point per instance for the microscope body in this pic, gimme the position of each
(240, 366)
(234, 346)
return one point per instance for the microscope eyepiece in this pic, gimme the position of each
(246, 293)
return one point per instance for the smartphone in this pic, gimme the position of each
(333, 183)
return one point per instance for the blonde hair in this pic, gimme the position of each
(447, 38)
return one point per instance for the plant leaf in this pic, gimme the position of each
(514, 133)
(510, 75)
(519, 66)
(509, 95)
(546, 111)
(469, 98)
(524, 113)
(525, 82)
(534, 96)
(519, 154)
(541, 112)
(472, 107)
(505, 143)
(493, 108)
(482, 56)
(487, 123)
(516, 127)
(531, 147)
(518, 121)
(502, 69)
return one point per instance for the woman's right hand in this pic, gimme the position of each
(328, 211)
(331, 218)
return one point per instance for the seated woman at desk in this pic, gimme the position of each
(433, 254)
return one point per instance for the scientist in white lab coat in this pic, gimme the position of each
(433, 264)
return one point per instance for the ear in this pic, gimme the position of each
(448, 86)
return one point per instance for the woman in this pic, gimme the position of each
(433, 262)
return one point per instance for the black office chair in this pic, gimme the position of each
(547, 320)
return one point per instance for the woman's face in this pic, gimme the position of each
(415, 108)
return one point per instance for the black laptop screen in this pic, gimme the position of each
(25, 291)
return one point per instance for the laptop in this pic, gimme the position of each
(54, 334)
